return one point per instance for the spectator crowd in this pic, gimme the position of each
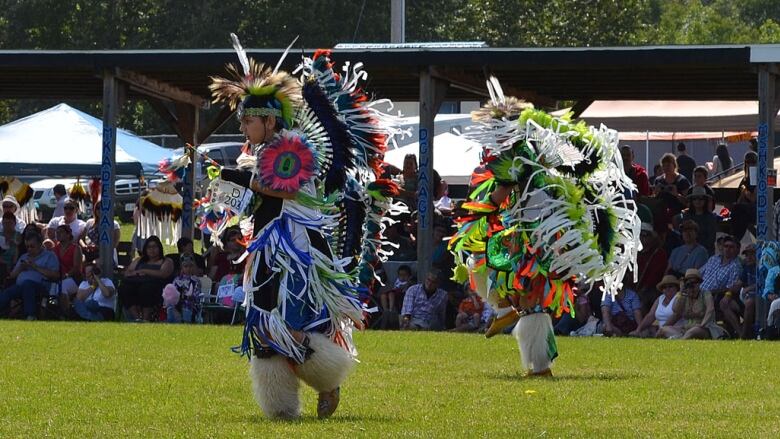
(696, 272)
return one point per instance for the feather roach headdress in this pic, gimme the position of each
(257, 90)
(500, 106)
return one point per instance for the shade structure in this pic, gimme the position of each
(454, 157)
(63, 141)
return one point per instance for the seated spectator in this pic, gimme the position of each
(89, 238)
(32, 229)
(70, 219)
(582, 313)
(742, 304)
(33, 274)
(696, 309)
(96, 297)
(403, 281)
(662, 309)
(622, 314)
(743, 212)
(185, 246)
(651, 263)
(424, 305)
(10, 240)
(408, 181)
(444, 205)
(143, 282)
(10, 204)
(469, 316)
(721, 273)
(689, 255)
(773, 317)
(700, 175)
(70, 260)
(186, 305)
(222, 261)
(671, 188)
(700, 213)
(400, 234)
(635, 172)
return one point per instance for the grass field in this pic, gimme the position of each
(155, 380)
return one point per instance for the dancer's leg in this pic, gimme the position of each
(536, 340)
(275, 387)
(325, 370)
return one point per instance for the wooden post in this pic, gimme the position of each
(767, 111)
(188, 189)
(108, 171)
(432, 92)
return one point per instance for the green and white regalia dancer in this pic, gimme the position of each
(547, 212)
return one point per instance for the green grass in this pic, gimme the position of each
(156, 380)
(126, 234)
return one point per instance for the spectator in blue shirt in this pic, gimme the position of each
(743, 303)
(690, 254)
(622, 314)
(424, 304)
(32, 273)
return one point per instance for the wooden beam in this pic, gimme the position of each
(111, 105)
(161, 90)
(581, 106)
(162, 110)
(215, 123)
(187, 121)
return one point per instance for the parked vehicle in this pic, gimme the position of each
(126, 192)
(224, 153)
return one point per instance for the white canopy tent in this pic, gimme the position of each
(454, 157)
(674, 116)
(663, 123)
(63, 141)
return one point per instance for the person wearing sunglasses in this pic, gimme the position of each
(70, 219)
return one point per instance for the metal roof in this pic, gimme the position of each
(653, 72)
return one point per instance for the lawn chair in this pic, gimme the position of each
(213, 302)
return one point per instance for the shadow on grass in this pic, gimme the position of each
(258, 418)
(588, 376)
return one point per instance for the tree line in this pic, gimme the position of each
(187, 24)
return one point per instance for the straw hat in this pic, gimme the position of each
(668, 280)
(692, 273)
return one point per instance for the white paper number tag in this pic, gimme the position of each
(232, 196)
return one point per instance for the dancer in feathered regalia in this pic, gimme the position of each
(547, 212)
(313, 145)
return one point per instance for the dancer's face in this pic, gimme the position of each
(258, 129)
